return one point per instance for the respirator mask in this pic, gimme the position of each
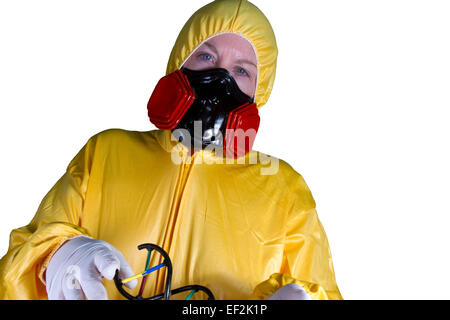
(206, 109)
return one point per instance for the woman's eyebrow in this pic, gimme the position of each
(246, 62)
(210, 46)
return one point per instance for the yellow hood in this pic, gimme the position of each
(235, 16)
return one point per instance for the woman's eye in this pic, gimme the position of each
(242, 71)
(206, 56)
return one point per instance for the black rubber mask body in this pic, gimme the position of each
(216, 94)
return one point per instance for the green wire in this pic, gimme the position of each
(190, 294)
(148, 260)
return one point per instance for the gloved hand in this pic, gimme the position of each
(76, 269)
(291, 291)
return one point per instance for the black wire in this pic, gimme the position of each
(167, 291)
(186, 288)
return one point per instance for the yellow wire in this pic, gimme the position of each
(132, 278)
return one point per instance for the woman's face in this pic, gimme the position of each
(231, 52)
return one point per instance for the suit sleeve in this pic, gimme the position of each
(57, 219)
(306, 256)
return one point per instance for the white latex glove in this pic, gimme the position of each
(76, 269)
(291, 291)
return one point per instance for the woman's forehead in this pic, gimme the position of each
(234, 42)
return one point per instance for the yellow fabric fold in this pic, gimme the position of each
(57, 219)
(278, 280)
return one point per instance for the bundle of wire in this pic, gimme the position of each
(167, 292)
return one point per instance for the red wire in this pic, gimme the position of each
(141, 289)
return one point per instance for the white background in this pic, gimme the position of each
(359, 108)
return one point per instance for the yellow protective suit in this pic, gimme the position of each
(228, 227)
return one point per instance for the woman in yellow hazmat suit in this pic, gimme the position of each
(226, 226)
